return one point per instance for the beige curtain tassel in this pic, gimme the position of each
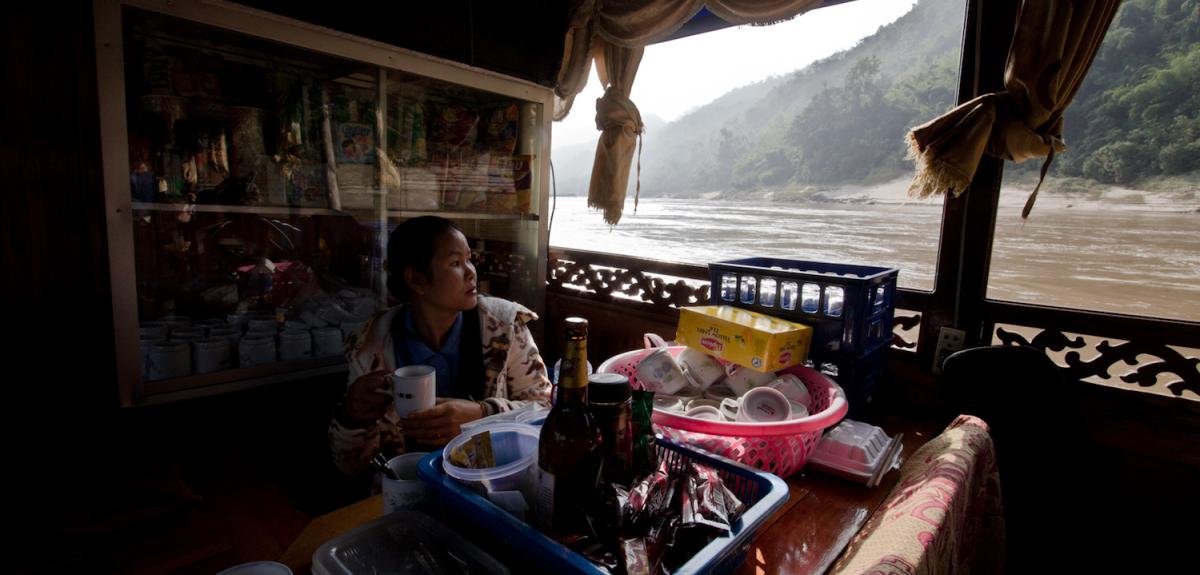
(620, 125)
(1033, 196)
(637, 190)
(1053, 46)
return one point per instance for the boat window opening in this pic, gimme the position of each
(782, 141)
(1116, 222)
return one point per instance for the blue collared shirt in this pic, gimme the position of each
(410, 350)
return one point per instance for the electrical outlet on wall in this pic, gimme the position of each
(950, 340)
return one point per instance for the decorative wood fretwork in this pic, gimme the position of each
(1183, 371)
(906, 329)
(614, 278)
(502, 264)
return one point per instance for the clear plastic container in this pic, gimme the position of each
(514, 445)
(258, 568)
(524, 414)
(400, 543)
(857, 451)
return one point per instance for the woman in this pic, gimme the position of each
(484, 355)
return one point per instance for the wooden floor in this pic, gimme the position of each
(239, 516)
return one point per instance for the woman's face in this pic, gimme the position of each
(451, 285)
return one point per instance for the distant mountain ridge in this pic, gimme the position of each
(842, 120)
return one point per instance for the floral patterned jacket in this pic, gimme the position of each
(513, 370)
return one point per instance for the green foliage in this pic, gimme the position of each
(842, 120)
(849, 132)
(1137, 114)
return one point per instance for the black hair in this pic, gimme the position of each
(411, 246)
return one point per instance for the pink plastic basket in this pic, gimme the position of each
(781, 448)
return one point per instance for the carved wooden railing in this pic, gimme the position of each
(661, 286)
(1158, 354)
(1146, 352)
(611, 277)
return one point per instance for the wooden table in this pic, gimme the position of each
(807, 535)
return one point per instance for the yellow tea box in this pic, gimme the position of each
(744, 337)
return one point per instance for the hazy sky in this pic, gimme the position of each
(683, 74)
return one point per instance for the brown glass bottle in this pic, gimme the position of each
(569, 445)
(610, 403)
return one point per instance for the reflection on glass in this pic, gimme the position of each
(834, 296)
(447, 151)
(728, 287)
(810, 300)
(766, 292)
(787, 295)
(748, 285)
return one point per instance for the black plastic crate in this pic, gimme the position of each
(849, 307)
(860, 377)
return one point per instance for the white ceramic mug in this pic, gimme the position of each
(700, 368)
(742, 379)
(671, 403)
(730, 407)
(187, 334)
(263, 324)
(699, 401)
(169, 359)
(414, 388)
(209, 355)
(295, 345)
(154, 330)
(256, 349)
(705, 412)
(764, 405)
(327, 341)
(792, 388)
(720, 391)
(407, 492)
(659, 373)
(144, 344)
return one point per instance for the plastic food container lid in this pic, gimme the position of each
(858, 451)
(258, 568)
(402, 542)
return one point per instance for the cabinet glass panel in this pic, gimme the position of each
(265, 179)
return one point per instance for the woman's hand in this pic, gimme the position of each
(366, 401)
(439, 424)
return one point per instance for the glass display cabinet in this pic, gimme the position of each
(253, 168)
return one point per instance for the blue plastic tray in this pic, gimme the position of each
(763, 494)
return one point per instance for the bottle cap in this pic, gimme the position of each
(608, 388)
(575, 328)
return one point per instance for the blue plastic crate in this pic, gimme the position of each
(849, 307)
(763, 494)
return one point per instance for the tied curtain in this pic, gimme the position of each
(1053, 46)
(613, 34)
